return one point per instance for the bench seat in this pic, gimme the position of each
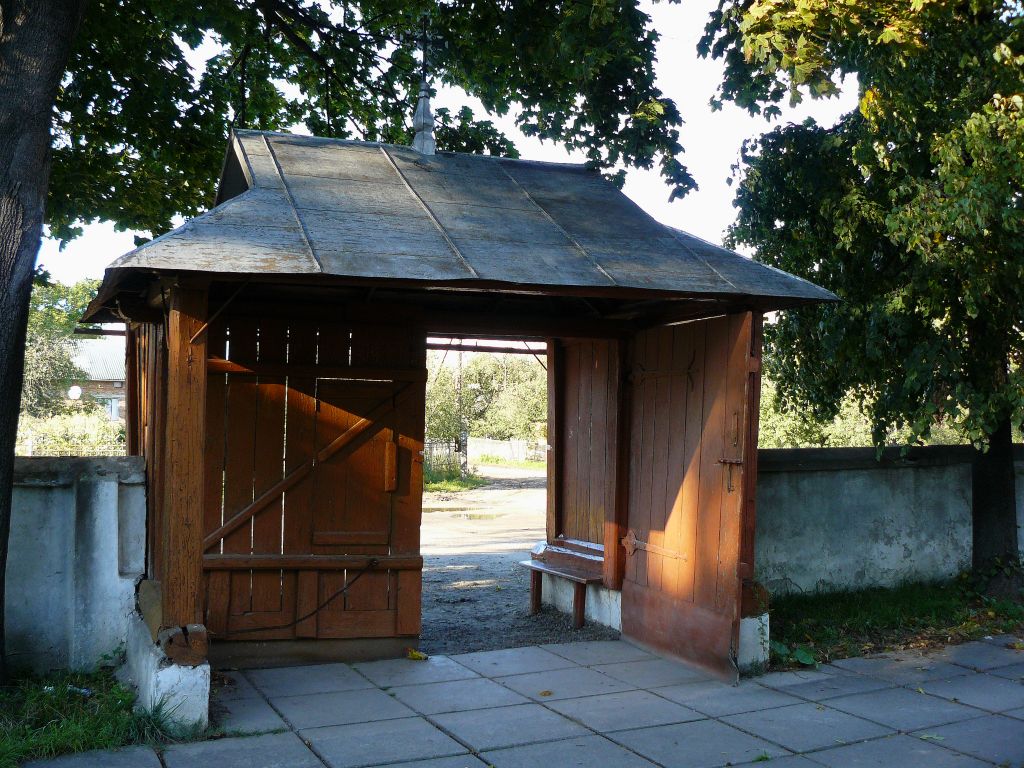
(579, 576)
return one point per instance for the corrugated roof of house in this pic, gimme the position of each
(313, 206)
(102, 359)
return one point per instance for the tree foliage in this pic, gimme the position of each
(503, 397)
(910, 208)
(140, 133)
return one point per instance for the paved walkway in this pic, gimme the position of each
(607, 704)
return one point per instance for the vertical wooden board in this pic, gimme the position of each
(306, 596)
(660, 465)
(690, 501)
(158, 438)
(556, 413)
(218, 596)
(584, 437)
(216, 405)
(676, 420)
(753, 410)
(330, 480)
(131, 394)
(730, 530)
(334, 344)
(712, 476)
(600, 440)
(569, 523)
(409, 600)
(240, 429)
(617, 491)
(638, 359)
(268, 463)
(407, 500)
(645, 516)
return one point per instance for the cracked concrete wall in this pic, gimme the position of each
(77, 550)
(841, 519)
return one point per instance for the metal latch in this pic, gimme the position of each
(632, 544)
(729, 464)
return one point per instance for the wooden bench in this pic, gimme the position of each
(579, 576)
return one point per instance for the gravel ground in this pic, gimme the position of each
(475, 595)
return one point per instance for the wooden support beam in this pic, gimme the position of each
(184, 438)
(556, 395)
(188, 645)
(616, 516)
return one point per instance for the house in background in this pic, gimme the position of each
(102, 360)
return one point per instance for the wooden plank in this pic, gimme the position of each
(220, 365)
(676, 468)
(690, 507)
(245, 562)
(584, 440)
(659, 462)
(601, 440)
(617, 509)
(712, 474)
(750, 454)
(185, 437)
(569, 525)
(268, 463)
(131, 384)
(731, 528)
(555, 379)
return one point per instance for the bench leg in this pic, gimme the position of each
(579, 604)
(536, 585)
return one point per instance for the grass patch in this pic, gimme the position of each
(450, 480)
(74, 712)
(824, 626)
(501, 461)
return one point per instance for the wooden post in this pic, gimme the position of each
(754, 600)
(616, 515)
(184, 439)
(556, 448)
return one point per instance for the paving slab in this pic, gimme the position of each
(276, 750)
(836, 685)
(701, 744)
(129, 757)
(804, 727)
(230, 686)
(980, 656)
(621, 711)
(340, 708)
(381, 743)
(717, 699)
(581, 752)
(1012, 672)
(1018, 713)
(459, 761)
(903, 709)
(456, 696)
(892, 751)
(247, 716)
(995, 738)
(485, 729)
(790, 761)
(902, 668)
(513, 661)
(391, 672)
(564, 684)
(652, 672)
(592, 652)
(995, 694)
(314, 678)
(782, 680)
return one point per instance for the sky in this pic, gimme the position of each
(712, 141)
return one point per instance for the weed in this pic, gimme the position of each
(450, 480)
(491, 460)
(74, 712)
(819, 627)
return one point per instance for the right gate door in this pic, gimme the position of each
(691, 388)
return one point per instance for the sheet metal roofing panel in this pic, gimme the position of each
(101, 359)
(365, 210)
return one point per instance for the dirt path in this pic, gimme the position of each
(475, 595)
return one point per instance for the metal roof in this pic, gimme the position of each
(301, 205)
(101, 359)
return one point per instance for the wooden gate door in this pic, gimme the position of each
(691, 390)
(313, 475)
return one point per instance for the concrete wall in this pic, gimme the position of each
(77, 549)
(840, 519)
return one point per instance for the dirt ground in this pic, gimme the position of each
(476, 596)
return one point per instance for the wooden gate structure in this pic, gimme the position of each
(276, 358)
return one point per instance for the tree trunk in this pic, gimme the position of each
(993, 501)
(35, 41)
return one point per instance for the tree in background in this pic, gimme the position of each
(136, 136)
(504, 397)
(910, 209)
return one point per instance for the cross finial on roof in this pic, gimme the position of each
(423, 119)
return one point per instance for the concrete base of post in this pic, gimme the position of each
(182, 692)
(603, 605)
(753, 651)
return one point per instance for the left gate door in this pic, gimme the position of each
(313, 476)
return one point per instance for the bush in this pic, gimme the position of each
(82, 433)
